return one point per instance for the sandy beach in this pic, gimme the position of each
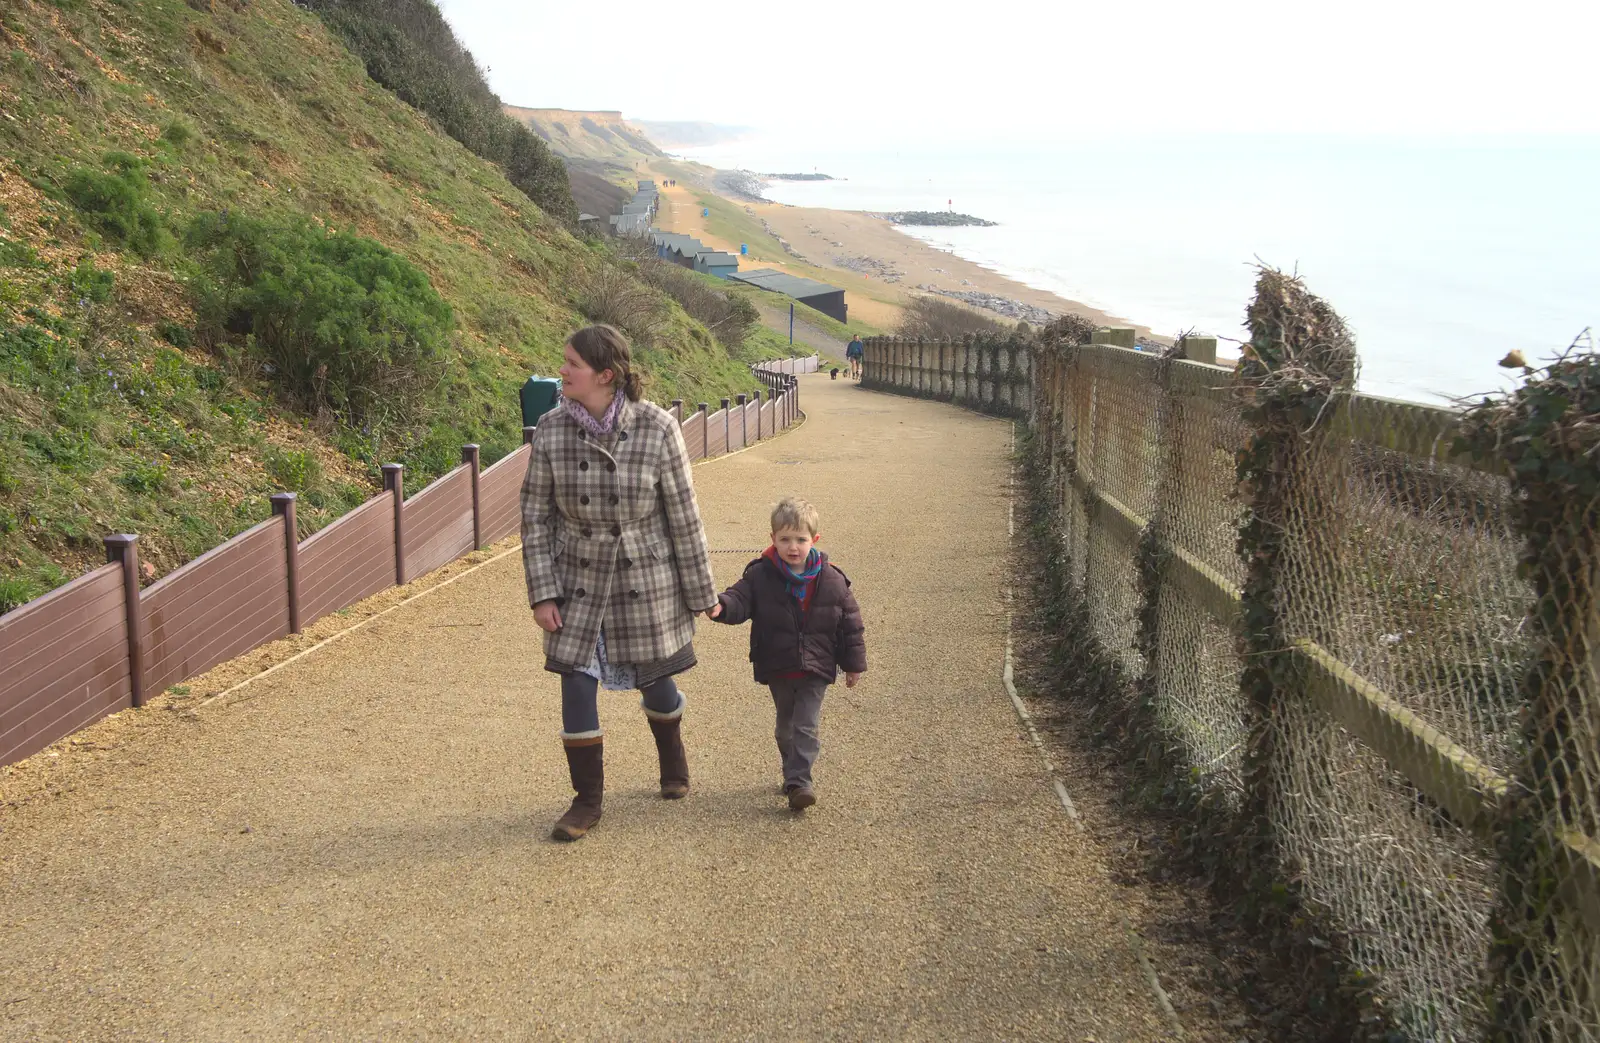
(878, 266)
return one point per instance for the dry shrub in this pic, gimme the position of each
(936, 319)
(611, 295)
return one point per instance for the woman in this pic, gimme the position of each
(616, 560)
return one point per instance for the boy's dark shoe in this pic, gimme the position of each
(586, 764)
(801, 797)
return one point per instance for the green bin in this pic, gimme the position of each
(539, 396)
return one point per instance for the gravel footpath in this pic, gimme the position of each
(354, 847)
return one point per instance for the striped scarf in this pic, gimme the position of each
(800, 582)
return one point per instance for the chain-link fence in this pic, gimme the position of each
(1358, 640)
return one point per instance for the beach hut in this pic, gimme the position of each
(829, 300)
(715, 262)
(684, 251)
(630, 224)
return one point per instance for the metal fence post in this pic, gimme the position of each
(705, 433)
(677, 411)
(727, 426)
(123, 548)
(527, 435)
(744, 418)
(394, 482)
(470, 456)
(283, 506)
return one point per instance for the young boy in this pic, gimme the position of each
(805, 626)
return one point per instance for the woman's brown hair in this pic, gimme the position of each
(604, 347)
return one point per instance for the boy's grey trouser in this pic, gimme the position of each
(799, 703)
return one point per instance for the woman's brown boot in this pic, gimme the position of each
(586, 763)
(667, 728)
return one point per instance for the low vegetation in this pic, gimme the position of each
(933, 318)
(409, 48)
(231, 263)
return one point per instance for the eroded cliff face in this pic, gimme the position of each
(601, 135)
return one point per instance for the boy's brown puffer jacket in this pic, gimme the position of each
(828, 637)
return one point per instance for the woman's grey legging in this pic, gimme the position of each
(580, 711)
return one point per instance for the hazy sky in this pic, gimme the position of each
(1006, 65)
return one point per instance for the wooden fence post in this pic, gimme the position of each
(677, 411)
(744, 418)
(394, 482)
(123, 548)
(470, 455)
(283, 506)
(727, 425)
(705, 433)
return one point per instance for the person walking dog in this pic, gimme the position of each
(616, 561)
(854, 353)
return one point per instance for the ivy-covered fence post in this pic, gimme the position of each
(1295, 375)
(1545, 962)
(1156, 637)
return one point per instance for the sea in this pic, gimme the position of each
(1441, 254)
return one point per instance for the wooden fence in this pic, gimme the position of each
(101, 644)
(994, 374)
(1380, 747)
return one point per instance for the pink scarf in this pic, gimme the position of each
(598, 428)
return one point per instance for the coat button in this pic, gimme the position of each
(611, 467)
(583, 563)
(633, 593)
(614, 501)
(584, 500)
(627, 563)
(622, 436)
(587, 532)
(580, 592)
(616, 530)
(584, 466)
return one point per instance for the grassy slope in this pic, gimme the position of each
(106, 427)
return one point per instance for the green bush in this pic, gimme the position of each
(145, 478)
(338, 321)
(295, 470)
(117, 202)
(16, 255)
(176, 335)
(91, 284)
(178, 132)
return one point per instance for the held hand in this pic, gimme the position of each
(548, 615)
(851, 679)
(714, 611)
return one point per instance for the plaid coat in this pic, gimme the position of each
(611, 531)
